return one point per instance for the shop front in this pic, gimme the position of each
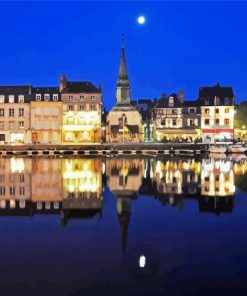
(212, 135)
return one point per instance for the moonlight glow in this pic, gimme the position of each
(141, 20)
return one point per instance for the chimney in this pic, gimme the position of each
(100, 87)
(181, 96)
(63, 82)
(30, 90)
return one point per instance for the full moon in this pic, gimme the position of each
(141, 20)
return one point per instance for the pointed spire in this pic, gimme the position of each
(123, 85)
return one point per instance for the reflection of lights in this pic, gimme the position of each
(142, 261)
(17, 165)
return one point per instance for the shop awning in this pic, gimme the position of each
(217, 131)
(178, 131)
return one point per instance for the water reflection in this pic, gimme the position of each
(73, 187)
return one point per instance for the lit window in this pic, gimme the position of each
(1, 99)
(21, 124)
(55, 97)
(207, 111)
(227, 110)
(21, 99)
(11, 99)
(1, 112)
(217, 110)
(38, 97)
(47, 97)
(171, 101)
(226, 121)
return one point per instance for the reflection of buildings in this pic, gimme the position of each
(124, 178)
(71, 188)
(15, 182)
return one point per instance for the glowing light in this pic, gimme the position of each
(142, 261)
(141, 20)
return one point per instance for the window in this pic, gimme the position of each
(81, 97)
(47, 97)
(217, 102)
(192, 110)
(70, 107)
(206, 111)
(206, 101)
(174, 122)
(21, 99)
(21, 112)
(81, 107)
(93, 107)
(1, 125)
(92, 97)
(1, 99)
(217, 121)
(11, 112)
(11, 125)
(70, 98)
(227, 101)
(227, 110)
(2, 190)
(171, 101)
(12, 190)
(38, 97)
(22, 190)
(217, 110)
(21, 178)
(226, 121)
(55, 97)
(21, 124)
(163, 121)
(174, 111)
(11, 99)
(206, 121)
(2, 138)
(2, 112)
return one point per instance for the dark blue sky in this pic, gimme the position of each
(182, 45)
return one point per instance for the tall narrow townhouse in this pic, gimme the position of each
(15, 114)
(82, 103)
(46, 115)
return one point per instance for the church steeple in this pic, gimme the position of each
(123, 85)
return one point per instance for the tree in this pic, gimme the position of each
(240, 119)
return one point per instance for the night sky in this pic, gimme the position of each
(181, 45)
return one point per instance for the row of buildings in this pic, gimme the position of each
(72, 114)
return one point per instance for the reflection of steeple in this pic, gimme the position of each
(124, 212)
(123, 85)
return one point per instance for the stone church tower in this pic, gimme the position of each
(124, 122)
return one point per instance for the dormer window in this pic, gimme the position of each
(21, 99)
(1, 99)
(55, 97)
(38, 97)
(192, 110)
(70, 98)
(11, 99)
(206, 101)
(227, 101)
(171, 101)
(81, 97)
(47, 97)
(217, 101)
(92, 97)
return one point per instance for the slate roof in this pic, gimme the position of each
(15, 91)
(80, 87)
(216, 91)
(164, 102)
(45, 90)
